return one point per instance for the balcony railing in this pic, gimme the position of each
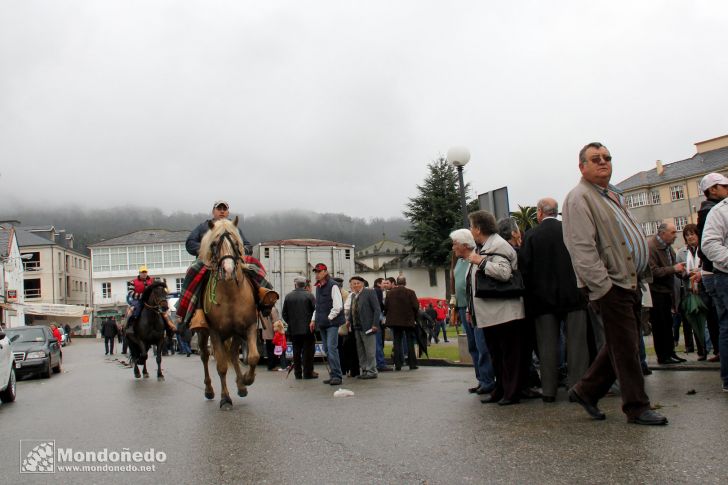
(32, 293)
(31, 265)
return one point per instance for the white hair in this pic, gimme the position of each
(463, 236)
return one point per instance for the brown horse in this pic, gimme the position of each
(230, 309)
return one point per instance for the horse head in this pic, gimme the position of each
(155, 296)
(222, 247)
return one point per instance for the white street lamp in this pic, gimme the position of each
(459, 157)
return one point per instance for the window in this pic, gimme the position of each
(655, 196)
(636, 200)
(677, 192)
(85, 287)
(84, 264)
(31, 288)
(154, 255)
(681, 222)
(178, 284)
(650, 228)
(266, 252)
(347, 253)
(106, 290)
(433, 276)
(101, 259)
(171, 256)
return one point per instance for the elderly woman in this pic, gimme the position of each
(500, 318)
(693, 324)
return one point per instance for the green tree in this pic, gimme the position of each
(525, 217)
(434, 214)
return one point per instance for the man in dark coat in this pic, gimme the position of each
(109, 331)
(298, 308)
(365, 315)
(664, 267)
(552, 297)
(401, 307)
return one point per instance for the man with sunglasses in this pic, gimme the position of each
(188, 311)
(610, 257)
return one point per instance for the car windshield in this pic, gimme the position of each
(29, 335)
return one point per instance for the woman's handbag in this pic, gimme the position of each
(489, 287)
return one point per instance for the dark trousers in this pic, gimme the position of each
(661, 319)
(506, 352)
(272, 359)
(548, 328)
(109, 345)
(711, 320)
(398, 332)
(304, 347)
(619, 311)
(348, 355)
(678, 320)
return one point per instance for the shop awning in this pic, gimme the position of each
(54, 309)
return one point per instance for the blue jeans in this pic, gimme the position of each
(330, 341)
(379, 354)
(717, 287)
(184, 347)
(478, 350)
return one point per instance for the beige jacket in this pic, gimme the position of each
(594, 239)
(492, 311)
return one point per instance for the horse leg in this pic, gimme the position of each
(253, 355)
(144, 356)
(221, 358)
(205, 357)
(235, 359)
(137, 374)
(160, 376)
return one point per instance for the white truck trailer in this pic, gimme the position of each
(287, 258)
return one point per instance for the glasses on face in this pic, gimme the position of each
(596, 159)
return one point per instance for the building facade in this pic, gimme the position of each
(389, 258)
(55, 272)
(12, 298)
(671, 192)
(116, 261)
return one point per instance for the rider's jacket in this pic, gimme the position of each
(140, 285)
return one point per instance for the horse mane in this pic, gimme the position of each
(218, 229)
(148, 290)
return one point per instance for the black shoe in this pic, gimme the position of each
(649, 418)
(548, 398)
(397, 369)
(530, 394)
(646, 371)
(311, 376)
(298, 376)
(413, 367)
(334, 381)
(507, 402)
(679, 359)
(668, 361)
(482, 391)
(593, 411)
(473, 390)
(384, 369)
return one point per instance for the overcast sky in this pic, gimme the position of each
(338, 106)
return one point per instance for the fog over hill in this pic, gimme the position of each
(90, 226)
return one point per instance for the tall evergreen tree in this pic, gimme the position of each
(434, 214)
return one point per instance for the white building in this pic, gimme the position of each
(12, 299)
(116, 261)
(389, 258)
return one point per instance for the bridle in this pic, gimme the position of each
(158, 308)
(217, 260)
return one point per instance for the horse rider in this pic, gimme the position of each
(189, 310)
(134, 299)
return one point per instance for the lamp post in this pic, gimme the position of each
(459, 157)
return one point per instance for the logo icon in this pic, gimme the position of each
(37, 456)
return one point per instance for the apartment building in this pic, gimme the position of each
(12, 299)
(670, 192)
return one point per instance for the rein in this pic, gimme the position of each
(235, 257)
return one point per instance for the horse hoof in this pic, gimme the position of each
(242, 392)
(160, 378)
(137, 374)
(146, 376)
(226, 403)
(209, 395)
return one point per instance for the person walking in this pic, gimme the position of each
(109, 331)
(298, 308)
(610, 258)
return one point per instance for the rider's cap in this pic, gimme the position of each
(143, 269)
(711, 180)
(320, 267)
(219, 203)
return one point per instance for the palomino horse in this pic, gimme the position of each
(149, 328)
(230, 309)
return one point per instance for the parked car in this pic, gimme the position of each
(7, 371)
(35, 349)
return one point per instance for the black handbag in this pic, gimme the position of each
(489, 287)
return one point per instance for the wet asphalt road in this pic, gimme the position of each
(407, 427)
